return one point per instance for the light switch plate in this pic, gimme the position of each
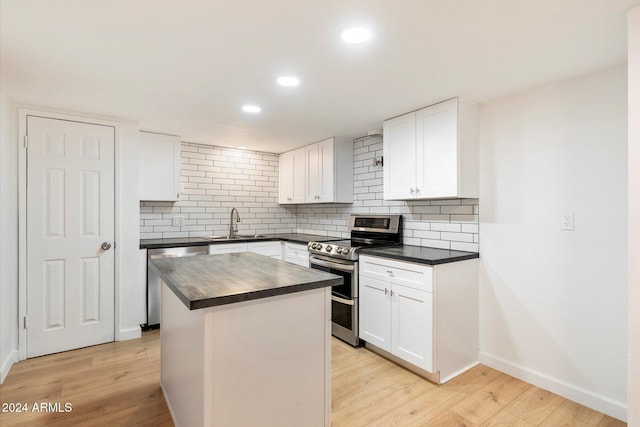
(566, 221)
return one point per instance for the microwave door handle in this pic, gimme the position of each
(336, 266)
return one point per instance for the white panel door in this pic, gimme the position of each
(412, 320)
(70, 214)
(375, 312)
(400, 157)
(437, 150)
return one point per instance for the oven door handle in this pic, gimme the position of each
(336, 266)
(342, 300)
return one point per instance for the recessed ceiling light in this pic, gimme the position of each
(355, 35)
(288, 81)
(251, 109)
(241, 147)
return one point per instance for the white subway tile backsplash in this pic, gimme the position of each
(215, 179)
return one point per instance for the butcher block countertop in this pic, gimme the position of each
(212, 280)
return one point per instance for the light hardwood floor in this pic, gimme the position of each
(117, 384)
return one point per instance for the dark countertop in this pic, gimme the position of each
(419, 254)
(202, 241)
(212, 280)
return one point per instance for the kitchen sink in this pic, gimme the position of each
(236, 237)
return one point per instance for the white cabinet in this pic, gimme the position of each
(432, 153)
(296, 253)
(395, 317)
(324, 175)
(160, 165)
(292, 177)
(330, 171)
(271, 249)
(424, 316)
(227, 248)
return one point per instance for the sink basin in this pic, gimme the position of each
(236, 237)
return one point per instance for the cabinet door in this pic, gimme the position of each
(313, 173)
(412, 322)
(437, 150)
(296, 254)
(160, 165)
(326, 171)
(285, 178)
(375, 312)
(299, 175)
(399, 150)
(292, 177)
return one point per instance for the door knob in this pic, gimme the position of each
(105, 246)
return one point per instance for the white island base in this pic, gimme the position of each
(264, 362)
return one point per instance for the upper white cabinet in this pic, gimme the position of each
(292, 177)
(325, 175)
(160, 163)
(432, 153)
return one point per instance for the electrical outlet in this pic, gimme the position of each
(566, 221)
(178, 221)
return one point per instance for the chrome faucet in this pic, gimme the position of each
(233, 228)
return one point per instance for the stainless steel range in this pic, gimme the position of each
(341, 257)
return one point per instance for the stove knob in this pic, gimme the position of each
(339, 250)
(316, 246)
(345, 251)
(328, 248)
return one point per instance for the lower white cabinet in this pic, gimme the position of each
(271, 249)
(227, 248)
(426, 316)
(296, 253)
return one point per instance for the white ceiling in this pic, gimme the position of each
(186, 67)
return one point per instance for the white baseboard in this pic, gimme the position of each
(572, 392)
(7, 363)
(129, 334)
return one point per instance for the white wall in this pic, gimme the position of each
(553, 303)
(634, 216)
(8, 236)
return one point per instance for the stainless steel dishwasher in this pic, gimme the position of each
(153, 280)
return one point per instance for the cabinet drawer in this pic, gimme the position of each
(271, 249)
(296, 254)
(227, 248)
(408, 274)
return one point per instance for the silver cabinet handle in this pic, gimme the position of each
(105, 246)
(390, 272)
(392, 293)
(412, 190)
(386, 291)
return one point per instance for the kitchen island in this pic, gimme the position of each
(245, 341)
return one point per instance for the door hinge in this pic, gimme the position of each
(24, 323)
(26, 142)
